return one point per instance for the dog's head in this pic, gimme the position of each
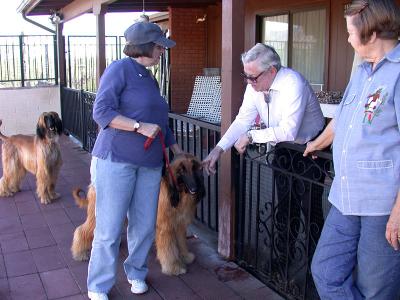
(188, 173)
(49, 126)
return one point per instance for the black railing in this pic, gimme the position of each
(81, 62)
(199, 138)
(28, 60)
(280, 213)
(81, 59)
(76, 111)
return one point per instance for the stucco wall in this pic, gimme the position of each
(20, 108)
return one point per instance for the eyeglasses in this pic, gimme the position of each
(253, 79)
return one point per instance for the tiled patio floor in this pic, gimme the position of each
(36, 262)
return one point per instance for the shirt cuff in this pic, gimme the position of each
(263, 136)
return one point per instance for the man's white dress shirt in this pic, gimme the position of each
(290, 109)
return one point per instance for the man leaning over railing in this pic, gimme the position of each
(287, 105)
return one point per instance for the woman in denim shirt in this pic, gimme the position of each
(357, 255)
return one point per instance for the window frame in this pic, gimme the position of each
(290, 12)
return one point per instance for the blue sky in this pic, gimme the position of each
(12, 23)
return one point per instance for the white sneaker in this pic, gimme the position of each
(97, 296)
(138, 286)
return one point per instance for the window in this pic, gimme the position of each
(299, 39)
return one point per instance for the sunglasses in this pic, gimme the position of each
(253, 79)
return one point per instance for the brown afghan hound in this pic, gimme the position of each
(176, 210)
(39, 155)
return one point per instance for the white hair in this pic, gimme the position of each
(264, 54)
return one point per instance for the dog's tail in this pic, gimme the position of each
(2, 136)
(79, 200)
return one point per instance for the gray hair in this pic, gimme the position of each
(266, 56)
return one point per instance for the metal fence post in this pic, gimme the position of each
(55, 59)
(21, 59)
(69, 63)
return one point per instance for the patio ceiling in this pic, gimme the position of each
(46, 7)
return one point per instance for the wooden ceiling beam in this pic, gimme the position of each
(79, 7)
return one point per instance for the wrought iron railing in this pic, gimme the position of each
(28, 60)
(81, 62)
(280, 213)
(76, 111)
(199, 138)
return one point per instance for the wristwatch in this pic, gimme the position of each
(136, 126)
(249, 137)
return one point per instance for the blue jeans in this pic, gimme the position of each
(122, 190)
(353, 259)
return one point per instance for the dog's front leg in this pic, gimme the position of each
(42, 183)
(53, 179)
(168, 252)
(186, 256)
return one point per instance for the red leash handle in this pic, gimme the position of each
(147, 145)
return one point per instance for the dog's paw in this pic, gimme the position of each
(55, 196)
(176, 269)
(5, 194)
(188, 258)
(83, 256)
(45, 200)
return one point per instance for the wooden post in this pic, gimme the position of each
(61, 55)
(100, 11)
(232, 92)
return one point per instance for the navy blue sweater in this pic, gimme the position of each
(128, 89)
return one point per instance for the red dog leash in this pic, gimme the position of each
(147, 145)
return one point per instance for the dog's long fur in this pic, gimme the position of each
(39, 155)
(176, 210)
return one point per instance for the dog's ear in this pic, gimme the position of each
(174, 195)
(199, 177)
(59, 124)
(41, 128)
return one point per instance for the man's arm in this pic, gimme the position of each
(210, 161)
(247, 114)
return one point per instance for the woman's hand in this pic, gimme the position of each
(148, 129)
(321, 142)
(311, 149)
(393, 225)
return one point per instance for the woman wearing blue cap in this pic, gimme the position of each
(128, 110)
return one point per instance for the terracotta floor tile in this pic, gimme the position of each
(48, 258)
(56, 217)
(19, 263)
(27, 207)
(27, 287)
(59, 283)
(34, 220)
(39, 237)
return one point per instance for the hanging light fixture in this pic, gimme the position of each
(143, 17)
(55, 17)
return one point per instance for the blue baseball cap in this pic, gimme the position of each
(145, 32)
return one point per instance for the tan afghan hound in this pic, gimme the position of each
(39, 155)
(176, 210)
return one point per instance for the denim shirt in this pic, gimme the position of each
(366, 147)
